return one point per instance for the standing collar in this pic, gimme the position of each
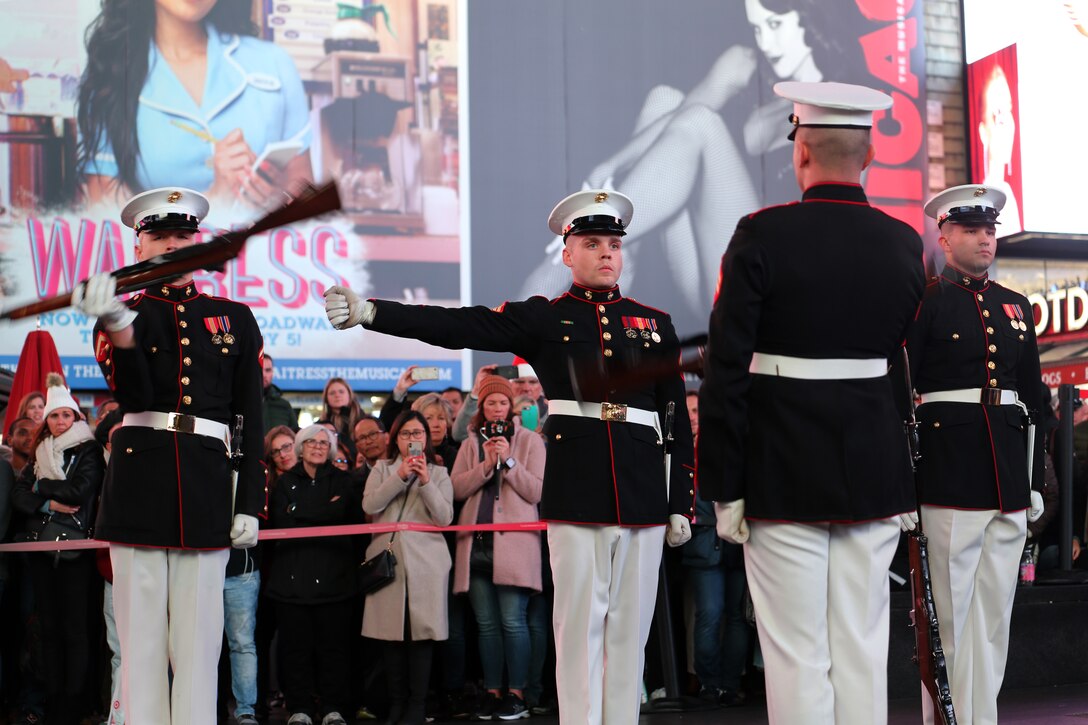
(967, 281)
(836, 191)
(595, 296)
(173, 292)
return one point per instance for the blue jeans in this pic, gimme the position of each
(504, 631)
(240, 621)
(452, 651)
(720, 650)
(540, 622)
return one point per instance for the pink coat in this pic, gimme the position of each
(517, 553)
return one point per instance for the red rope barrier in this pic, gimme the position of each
(308, 532)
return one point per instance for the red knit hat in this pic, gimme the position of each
(495, 384)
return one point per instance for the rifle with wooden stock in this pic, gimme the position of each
(211, 256)
(928, 652)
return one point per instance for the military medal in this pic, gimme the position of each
(631, 333)
(1016, 317)
(655, 337)
(220, 329)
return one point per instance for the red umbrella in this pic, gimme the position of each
(38, 358)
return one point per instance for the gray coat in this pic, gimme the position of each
(423, 560)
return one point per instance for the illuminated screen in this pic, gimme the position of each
(1025, 103)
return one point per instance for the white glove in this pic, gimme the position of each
(346, 309)
(679, 531)
(731, 524)
(243, 534)
(908, 521)
(1036, 509)
(97, 297)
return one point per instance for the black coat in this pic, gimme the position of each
(86, 468)
(170, 489)
(974, 456)
(829, 277)
(596, 472)
(316, 570)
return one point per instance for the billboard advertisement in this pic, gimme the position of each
(1021, 106)
(242, 102)
(451, 128)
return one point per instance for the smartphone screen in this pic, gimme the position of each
(415, 448)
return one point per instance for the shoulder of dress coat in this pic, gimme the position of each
(766, 209)
(534, 300)
(648, 307)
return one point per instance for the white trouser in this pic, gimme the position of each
(168, 604)
(974, 561)
(820, 593)
(605, 592)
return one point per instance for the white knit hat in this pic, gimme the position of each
(58, 396)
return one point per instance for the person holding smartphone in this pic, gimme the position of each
(499, 473)
(409, 614)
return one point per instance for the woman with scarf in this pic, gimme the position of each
(57, 492)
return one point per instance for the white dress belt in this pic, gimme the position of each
(179, 423)
(804, 368)
(978, 396)
(611, 412)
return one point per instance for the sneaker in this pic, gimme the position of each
(333, 718)
(731, 698)
(487, 708)
(512, 708)
(709, 694)
(300, 718)
(364, 713)
(246, 719)
(545, 707)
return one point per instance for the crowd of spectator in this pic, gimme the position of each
(463, 631)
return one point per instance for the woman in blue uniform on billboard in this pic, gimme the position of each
(683, 167)
(180, 92)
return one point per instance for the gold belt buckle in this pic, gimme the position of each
(991, 396)
(180, 423)
(614, 412)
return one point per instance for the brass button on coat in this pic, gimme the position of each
(600, 308)
(993, 382)
(184, 341)
(183, 324)
(989, 330)
(992, 348)
(985, 313)
(604, 320)
(608, 353)
(566, 338)
(187, 400)
(607, 336)
(955, 335)
(991, 365)
(185, 380)
(187, 361)
(936, 424)
(181, 308)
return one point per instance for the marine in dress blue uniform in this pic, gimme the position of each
(975, 363)
(182, 365)
(800, 443)
(606, 495)
(252, 84)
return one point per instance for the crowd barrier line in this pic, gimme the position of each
(307, 532)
